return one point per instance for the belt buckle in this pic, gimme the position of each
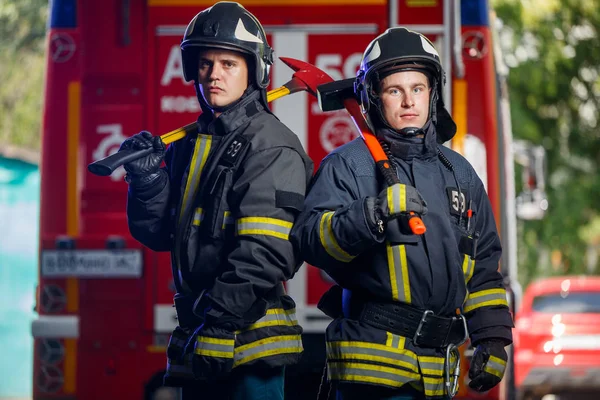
(421, 323)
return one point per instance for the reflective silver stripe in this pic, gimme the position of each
(432, 365)
(483, 298)
(340, 350)
(264, 226)
(433, 386)
(370, 373)
(396, 198)
(495, 366)
(328, 241)
(213, 347)
(395, 341)
(275, 317)
(468, 268)
(274, 345)
(198, 216)
(398, 270)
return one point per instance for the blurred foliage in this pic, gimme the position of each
(22, 38)
(552, 49)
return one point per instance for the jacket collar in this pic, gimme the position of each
(408, 148)
(230, 120)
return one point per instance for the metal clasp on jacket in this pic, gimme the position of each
(452, 370)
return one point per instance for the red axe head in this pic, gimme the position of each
(306, 76)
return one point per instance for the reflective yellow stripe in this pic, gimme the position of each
(275, 345)
(198, 216)
(328, 241)
(375, 346)
(432, 365)
(275, 317)
(339, 350)
(433, 386)
(370, 373)
(390, 339)
(401, 342)
(398, 270)
(396, 196)
(484, 298)
(468, 268)
(495, 366)
(227, 219)
(264, 226)
(214, 347)
(395, 341)
(201, 151)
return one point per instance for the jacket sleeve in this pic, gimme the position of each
(332, 229)
(148, 211)
(486, 306)
(266, 198)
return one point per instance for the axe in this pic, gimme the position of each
(306, 77)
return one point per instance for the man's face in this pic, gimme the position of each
(405, 99)
(222, 75)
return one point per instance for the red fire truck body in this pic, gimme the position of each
(114, 69)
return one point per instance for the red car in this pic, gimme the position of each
(557, 339)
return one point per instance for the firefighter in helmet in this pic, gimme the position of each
(223, 205)
(404, 302)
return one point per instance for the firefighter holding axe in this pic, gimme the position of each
(224, 204)
(403, 225)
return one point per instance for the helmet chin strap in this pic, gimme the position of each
(411, 132)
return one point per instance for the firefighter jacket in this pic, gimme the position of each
(224, 206)
(453, 266)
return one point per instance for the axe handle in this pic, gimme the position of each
(381, 159)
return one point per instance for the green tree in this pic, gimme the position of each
(22, 33)
(552, 47)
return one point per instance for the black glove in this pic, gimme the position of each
(399, 199)
(149, 164)
(487, 365)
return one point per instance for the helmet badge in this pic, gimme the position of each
(242, 33)
(373, 54)
(428, 47)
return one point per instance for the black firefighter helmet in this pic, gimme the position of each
(400, 49)
(227, 25)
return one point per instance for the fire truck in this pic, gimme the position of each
(114, 68)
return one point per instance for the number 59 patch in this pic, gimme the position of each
(458, 200)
